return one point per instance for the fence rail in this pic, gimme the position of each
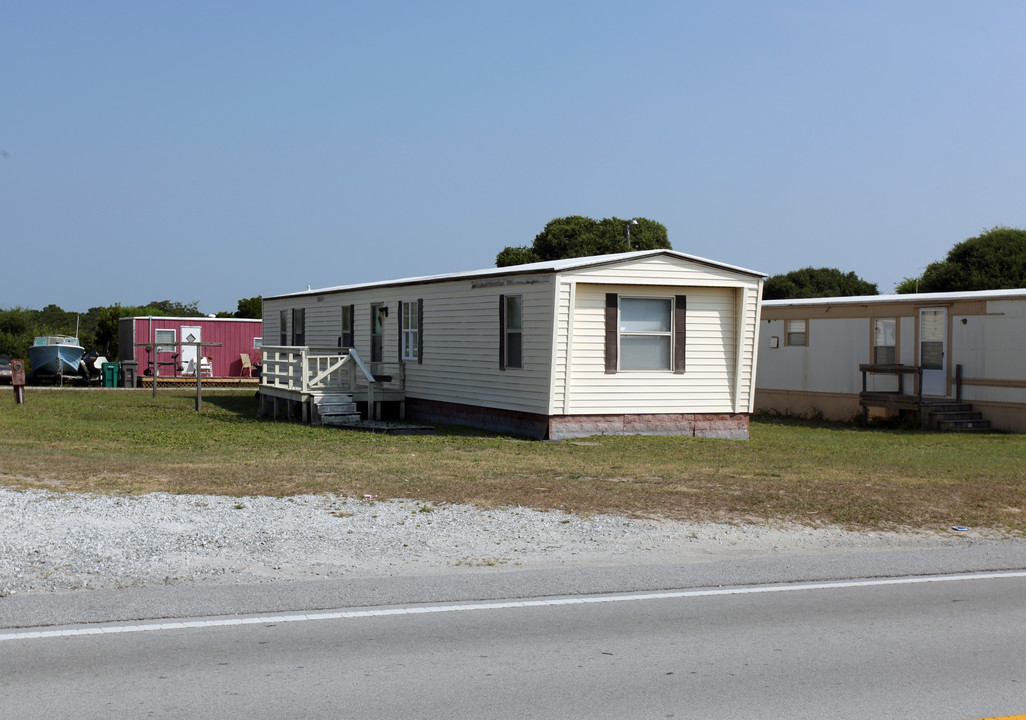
(310, 370)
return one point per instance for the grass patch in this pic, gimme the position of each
(813, 473)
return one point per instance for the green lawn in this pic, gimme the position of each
(129, 442)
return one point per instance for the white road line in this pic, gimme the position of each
(108, 629)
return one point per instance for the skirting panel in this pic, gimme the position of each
(559, 427)
(509, 421)
(714, 425)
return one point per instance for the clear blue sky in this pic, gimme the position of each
(210, 151)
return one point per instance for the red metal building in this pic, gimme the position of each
(237, 337)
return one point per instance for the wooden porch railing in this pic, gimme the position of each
(309, 370)
(899, 399)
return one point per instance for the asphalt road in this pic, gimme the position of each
(692, 648)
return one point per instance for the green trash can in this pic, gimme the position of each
(110, 374)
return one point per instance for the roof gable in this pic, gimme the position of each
(544, 267)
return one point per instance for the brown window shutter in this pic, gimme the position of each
(612, 303)
(502, 332)
(420, 331)
(399, 322)
(680, 312)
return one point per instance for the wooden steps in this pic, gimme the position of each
(955, 416)
(334, 409)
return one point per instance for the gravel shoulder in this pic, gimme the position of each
(52, 542)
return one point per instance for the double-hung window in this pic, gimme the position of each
(796, 333)
(299, 326)
(283, 328)
(646, 333)
(884, 337)
(348, 317)
(511, 331)
(410, 340)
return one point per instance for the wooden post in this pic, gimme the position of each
(199, 365)
(199, 379)
(919, 396)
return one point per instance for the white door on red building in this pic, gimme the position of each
(189, 334)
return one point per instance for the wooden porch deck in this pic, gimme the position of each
(296, 380)
(897, 400)
(146, 381)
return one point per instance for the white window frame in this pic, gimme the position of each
(789, 333)
(165, 345)
(508, 361)
(625, 333)
(410, 330)
(880, 332)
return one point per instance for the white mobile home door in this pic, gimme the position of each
(190, 352)
(933, 350)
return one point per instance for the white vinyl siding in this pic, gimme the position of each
(562, 349)
(461, 334)
(707, 386)
(664, 271)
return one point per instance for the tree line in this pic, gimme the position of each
(992, 260)
(96, 328)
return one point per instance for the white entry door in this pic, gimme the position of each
(190, 352)
(933, 350)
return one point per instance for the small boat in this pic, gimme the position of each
(56, 355)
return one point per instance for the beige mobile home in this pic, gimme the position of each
(968, 347)
(644, 342)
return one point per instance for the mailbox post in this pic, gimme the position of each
(18, 380)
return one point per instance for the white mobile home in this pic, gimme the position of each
(653, 342)
(969, 347)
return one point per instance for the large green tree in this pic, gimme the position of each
(578, 236)
(20, 326)
(814, 283)
(993, 260)
(251, 308)
(97, 329)
(173, 308)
